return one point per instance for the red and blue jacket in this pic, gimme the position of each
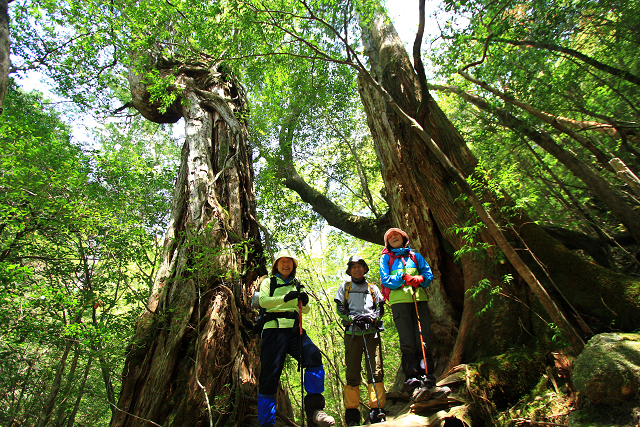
(393, 269)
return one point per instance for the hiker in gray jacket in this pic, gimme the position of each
(360, 305)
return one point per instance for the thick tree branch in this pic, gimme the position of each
(363, 228)
(574, 240)
(362, 176)
(417, 59)
(368, 229)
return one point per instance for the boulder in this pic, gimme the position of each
(608, 369)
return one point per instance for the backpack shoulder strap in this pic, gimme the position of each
(347, 289)
(372, 291)
(413, 258)
(392, 258)
(274, 285)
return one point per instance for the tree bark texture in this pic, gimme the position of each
(425, 201)
(5, 61)
(191, 362)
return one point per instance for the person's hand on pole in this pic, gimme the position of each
(304, 297)
(361, 321)
(413, 281)
(291, 295)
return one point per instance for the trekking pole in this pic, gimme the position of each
(299, 288)
(381, 416)
(424, 356)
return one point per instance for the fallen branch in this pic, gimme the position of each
(531, 422)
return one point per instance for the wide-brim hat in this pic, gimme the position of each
(285, 253)
(395, 230)
(357, 259)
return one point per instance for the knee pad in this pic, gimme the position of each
(352, 397)
(314, 380)
(266, 409)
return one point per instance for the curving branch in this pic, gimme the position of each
(417, 58)
(361, 227)
(368, 229)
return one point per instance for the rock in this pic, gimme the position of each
(608, 369)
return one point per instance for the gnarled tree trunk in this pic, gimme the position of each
(191, 362)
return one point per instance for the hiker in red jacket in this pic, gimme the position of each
(405, 276)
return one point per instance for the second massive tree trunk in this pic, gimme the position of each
(191, 359)
(425, 200)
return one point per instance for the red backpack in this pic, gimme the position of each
(387, 291)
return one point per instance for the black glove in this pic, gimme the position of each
(361, 321)
(342, 308)
(304, 297)
(291, 295)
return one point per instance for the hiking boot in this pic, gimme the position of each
(377, 416)
(352, 417)
(420, 393)
(439, 392)
(322, 419)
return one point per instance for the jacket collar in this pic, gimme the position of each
(397, 251)
(290, 278)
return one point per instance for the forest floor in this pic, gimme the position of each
(551, 403)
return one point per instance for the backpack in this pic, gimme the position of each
(263, 316)
(347, 289)
(387, 291)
